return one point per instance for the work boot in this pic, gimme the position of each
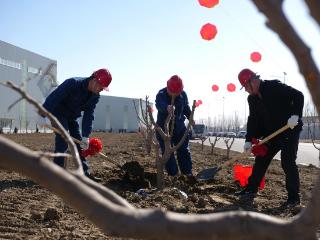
(94, 178)
(291, 202)
(246, 192)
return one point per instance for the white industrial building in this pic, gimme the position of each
(118, 114)
(37, 75)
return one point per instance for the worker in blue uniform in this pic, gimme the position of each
(68, 101)
(181, 110)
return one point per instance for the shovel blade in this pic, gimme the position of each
(207, 174)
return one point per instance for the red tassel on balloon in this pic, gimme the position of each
(95, 146)
(258, 150)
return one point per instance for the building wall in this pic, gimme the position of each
(117, 113)
(36, 73)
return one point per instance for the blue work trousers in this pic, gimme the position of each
(61, 146)
(183, 155)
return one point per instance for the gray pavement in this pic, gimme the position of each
(307, 153)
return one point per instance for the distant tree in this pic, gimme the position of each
(146, 127)
(213, 144)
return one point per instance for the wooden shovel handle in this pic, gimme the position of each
(272, 135)
(232, 160)
(266, 139)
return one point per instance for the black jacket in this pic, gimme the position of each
(277, 104)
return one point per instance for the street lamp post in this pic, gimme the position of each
(223, 114)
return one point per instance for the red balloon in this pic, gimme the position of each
(208, 31)
(208, 3)
(200, 102)
(255, 57)
(215, 88)
(231, 87)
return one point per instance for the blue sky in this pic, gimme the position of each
(144, 42)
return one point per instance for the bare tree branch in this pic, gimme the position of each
(277, 21)
(54, 121)
(149, 132)
(166, 136)
(228, 145)
(188, 127)
(203, 138)
(314, 6)
(53, 155)
(216, 139)
(14, 103)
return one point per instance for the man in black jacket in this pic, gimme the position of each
(272, 105)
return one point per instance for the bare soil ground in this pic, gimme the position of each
(28, 211)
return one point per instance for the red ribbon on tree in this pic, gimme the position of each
(258, 150)
(198, 103)
(150, 109)
(95, 146)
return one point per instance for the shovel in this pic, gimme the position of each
(79, 142)
(209, 173)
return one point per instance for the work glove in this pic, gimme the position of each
(293, 121)
(258, 150)
(247, 147)
(41, 121)
(84, 143)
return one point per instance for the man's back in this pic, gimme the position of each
(70, 98)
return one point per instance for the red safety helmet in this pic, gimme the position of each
(175, 85)
(245, 75)
(103, 76)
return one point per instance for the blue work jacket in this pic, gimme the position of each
(182, 108)
(71, 98)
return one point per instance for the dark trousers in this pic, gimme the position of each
(183, 155)
(288, 145)
(61, 146)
